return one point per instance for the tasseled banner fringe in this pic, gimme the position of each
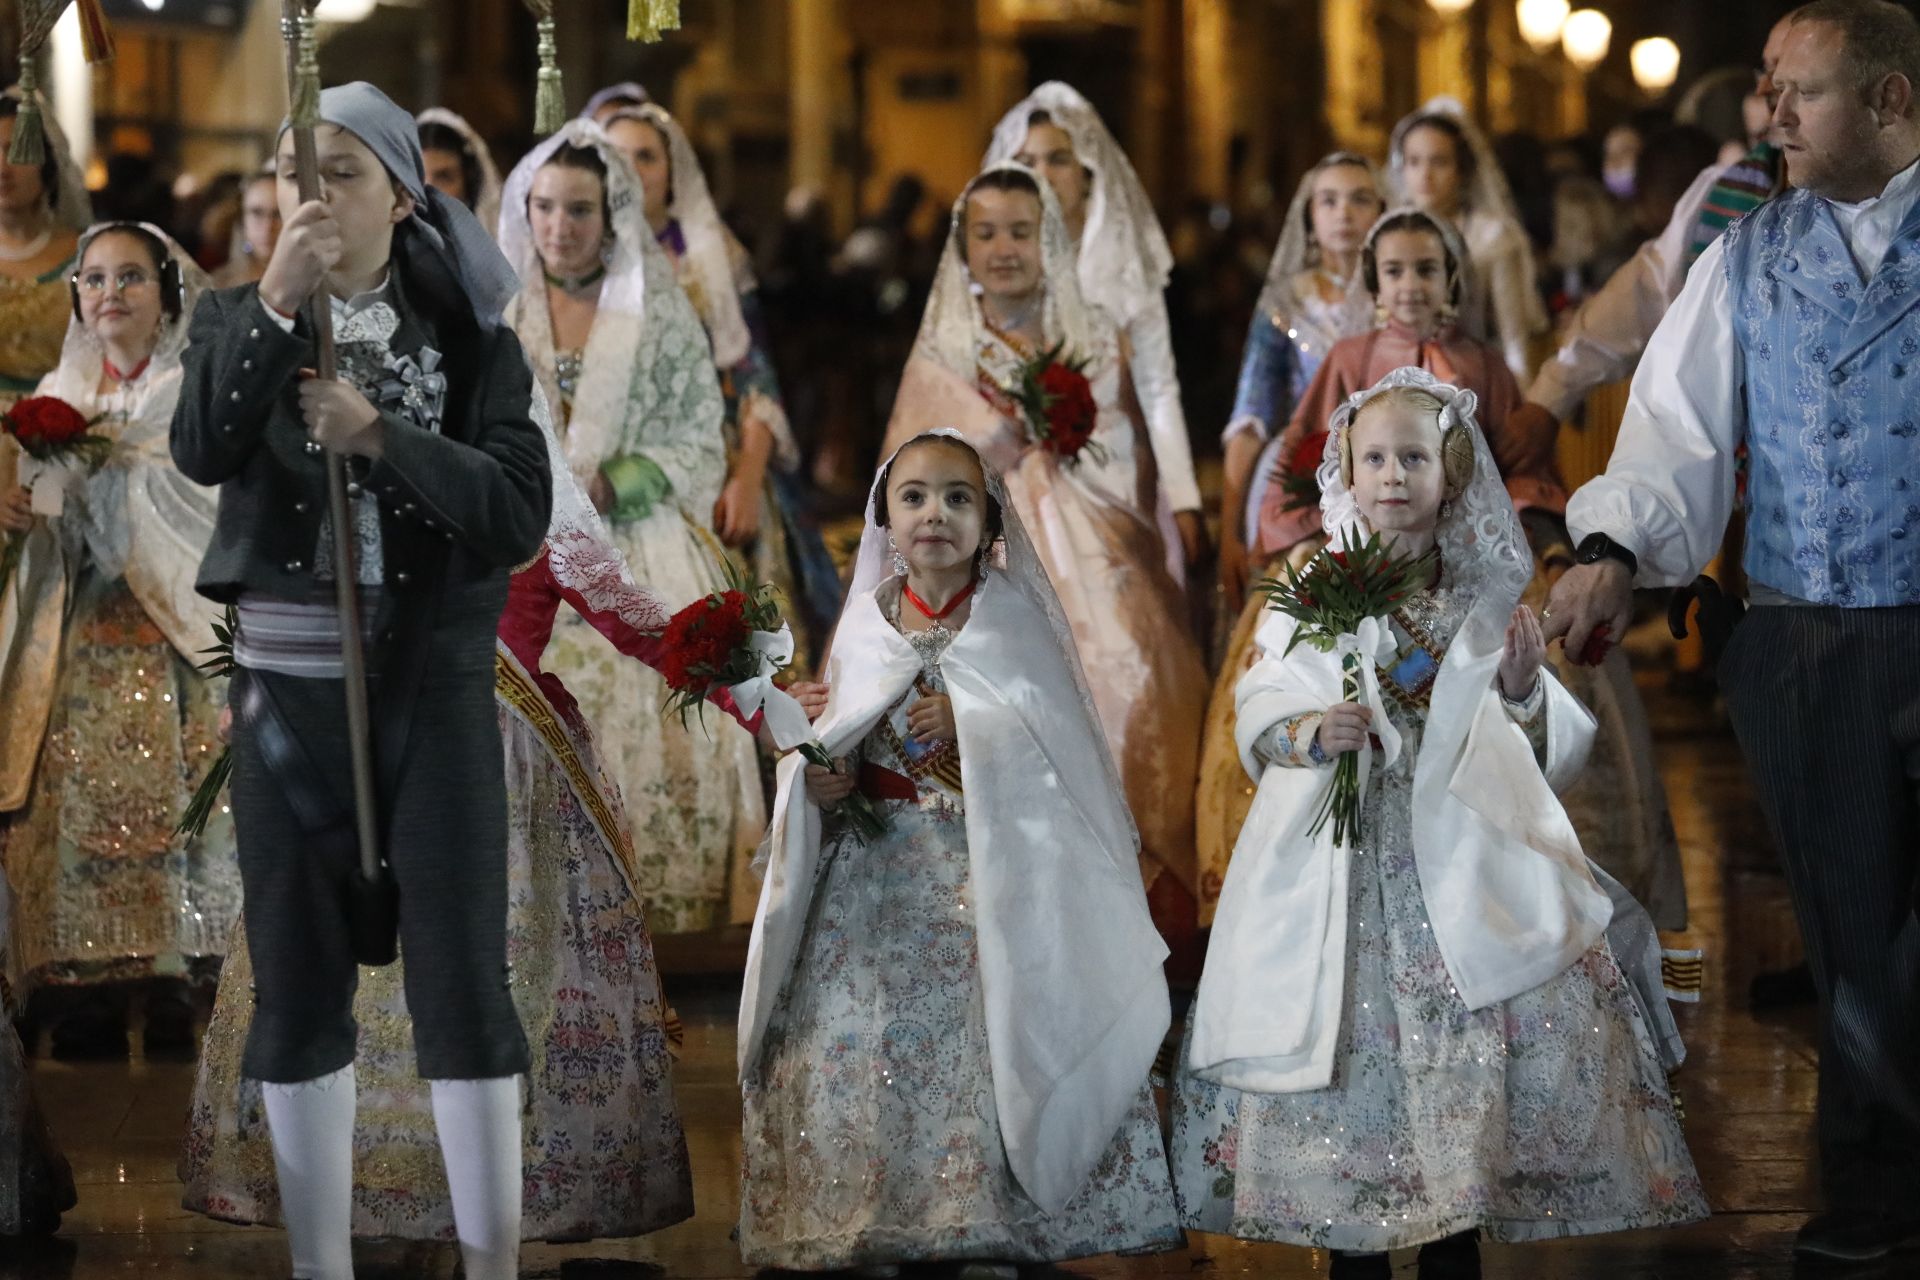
(647, 19)
(1681, 973)
(96, 37)
(549, 95)
(29, 146)
(305, 110)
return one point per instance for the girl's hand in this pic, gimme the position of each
(736, 515)
(1234, 571)
(931, 719)
(812, 697)
(826, 787)
(16, 511)
(1520, 660)
(1344, 728)
(310, 245)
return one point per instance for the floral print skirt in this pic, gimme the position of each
(1546, 1115)
(870, 1130)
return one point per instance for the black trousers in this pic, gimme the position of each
(447, 845)
(1826, 704)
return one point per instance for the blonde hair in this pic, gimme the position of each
(1456, 443)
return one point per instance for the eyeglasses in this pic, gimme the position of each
(126, 281)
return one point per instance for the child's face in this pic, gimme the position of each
(446, 173)
(645, 148)
(1048, 151)
(120, 291)
(1412, 271)
(566, 209)
(1343, 205)
(1003, 242)
(359, 192)
(1398, 480)
(937, 506)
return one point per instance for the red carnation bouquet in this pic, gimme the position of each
(55, 435)
(1300, 478)
(736, 640)
(1331, 597)
(1055, 398)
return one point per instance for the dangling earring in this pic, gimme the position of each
(1379, 315)
(1446, 508)
(899, 561)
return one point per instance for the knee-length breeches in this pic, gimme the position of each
(446, 824)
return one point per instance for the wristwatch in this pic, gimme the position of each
(1596, 547)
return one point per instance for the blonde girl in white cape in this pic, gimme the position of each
(1425, 1035)
(946, 1031)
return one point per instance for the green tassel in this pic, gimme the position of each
(29, 131)
(549, 98)
(305, 113)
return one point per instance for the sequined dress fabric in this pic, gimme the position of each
(871, 1133)
(1545, 1115)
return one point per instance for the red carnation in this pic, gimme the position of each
(47, 426)
(1071, 411)
(702, 639)
(1299, 479)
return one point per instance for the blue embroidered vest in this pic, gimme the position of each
(1832, 376)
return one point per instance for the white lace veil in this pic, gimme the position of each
(608, 362)
(73, 207)
(81, 352)
(715, 291)
(1484, 558)
(1297, 252)
(1125, 260)
(951, 328)
(1013, 564)
(1487, 192)
(485, 201)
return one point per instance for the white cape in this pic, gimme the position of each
(1070, 963)
(1507, 888)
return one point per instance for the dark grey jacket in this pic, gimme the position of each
(458, 507)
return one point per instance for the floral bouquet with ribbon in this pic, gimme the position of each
(1055, 398)
(1341, 600)
(60, 440)
(737, 640)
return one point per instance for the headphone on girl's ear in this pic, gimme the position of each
(173, 282)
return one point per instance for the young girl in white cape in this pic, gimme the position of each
(946, 1031)
(1427, 1035)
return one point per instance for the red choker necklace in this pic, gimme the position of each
(959, 599)
(123, 378)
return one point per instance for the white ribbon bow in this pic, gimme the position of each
(1373, 644)
(786, 718)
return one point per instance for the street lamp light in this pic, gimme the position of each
(1586, 37)
(1450, 7)
(1541, 22)
(343, 10)
(1656, 63)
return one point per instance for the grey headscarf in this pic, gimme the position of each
(443, 225)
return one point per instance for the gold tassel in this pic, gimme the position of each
(647, 19)
(29, 131)
(305, 112)
(549, 96)
(96, 37)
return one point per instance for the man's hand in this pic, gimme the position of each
(1193, 537)
(1587, 598)
(1344, 728)
(340, 418)
(16, 511)
(309, 247)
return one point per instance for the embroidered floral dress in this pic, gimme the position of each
(1546, 1115)
(871, 1130)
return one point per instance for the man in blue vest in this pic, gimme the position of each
(1798, 333)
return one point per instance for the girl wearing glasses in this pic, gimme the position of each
(111, 902)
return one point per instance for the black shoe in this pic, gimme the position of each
(169, 1031)
(1856, 1236)
(1360, 1266)
(92, 1031)
(1457, 1257)
(1782, 989)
